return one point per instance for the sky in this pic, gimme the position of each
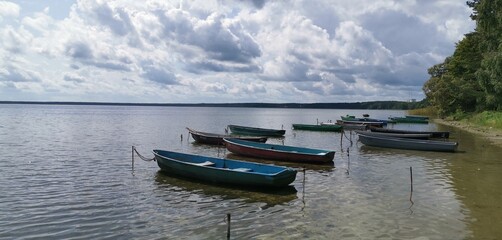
(205, 51)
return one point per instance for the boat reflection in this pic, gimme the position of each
(271, 197)
(325, 167)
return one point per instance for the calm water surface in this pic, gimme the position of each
(66, 173)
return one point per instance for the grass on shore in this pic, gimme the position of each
(427, 111)
(488, 119)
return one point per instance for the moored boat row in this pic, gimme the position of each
(243, 173)
(250, 142)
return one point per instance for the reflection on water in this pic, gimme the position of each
(270, 197)
(65, 173)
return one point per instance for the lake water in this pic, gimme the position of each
(66, 173)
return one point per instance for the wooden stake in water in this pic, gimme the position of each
(341, 138)
(228, 226)
(411, 178)
(132, 155)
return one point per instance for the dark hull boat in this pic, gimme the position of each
(224, 171)
(279, 152)
(411, 144)
(398, 135)
(217, 139)
(369, 124)
(409, 120)
(348, 126)
(434, 134)
(321, 127)
(254, 131)
(366, 119)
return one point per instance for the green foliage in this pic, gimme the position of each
(488, 119)
(425, 111)
(471, 79)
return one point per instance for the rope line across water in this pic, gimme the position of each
(141, 156)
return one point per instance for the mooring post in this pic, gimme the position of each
(411, 178)
(304, 173)
(132, 156)
(228, 225)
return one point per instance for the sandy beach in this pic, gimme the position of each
(493, 135)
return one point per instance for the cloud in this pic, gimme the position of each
(71, 77)
(78, 50)
(284, 51)
(217, 38)
(159, 75)
(100, 13)
(40, 21)
(15, 40)
(401, 33)
(15, 74)
(8, 9)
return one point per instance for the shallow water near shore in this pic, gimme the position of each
(66, 172)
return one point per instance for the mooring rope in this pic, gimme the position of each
(345, 135)
(141, 156)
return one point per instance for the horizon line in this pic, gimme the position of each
(345, 105)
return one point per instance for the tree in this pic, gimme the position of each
(471, 79)
(489, 26)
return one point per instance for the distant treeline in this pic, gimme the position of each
(356, 105)
(471, 79)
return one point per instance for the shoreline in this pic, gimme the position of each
(494, 136)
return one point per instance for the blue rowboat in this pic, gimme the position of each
(224, 171)
(405, 143)
(279, 152)
(254, 131)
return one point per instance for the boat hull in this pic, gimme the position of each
(224, 171)
(410, 144)
(434, 134)
(396, 135)
(279, 152)
(253, 131)
(322, 128)
(369, 124)
(217, 139)
(409, 120)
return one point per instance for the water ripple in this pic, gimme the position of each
(69, 175)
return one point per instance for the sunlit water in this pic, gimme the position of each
(66, 172)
